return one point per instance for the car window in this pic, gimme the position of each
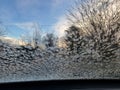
(59, 40)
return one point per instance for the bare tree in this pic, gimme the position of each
(34, 38)
(99, 20)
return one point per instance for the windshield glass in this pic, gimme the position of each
(59, 39)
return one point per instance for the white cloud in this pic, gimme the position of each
(61, 26)
(12, 40)
(29, 27)
(26, 26)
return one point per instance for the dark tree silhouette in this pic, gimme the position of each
(50, 40)
(75, 42)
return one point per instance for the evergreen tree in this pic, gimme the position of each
(50, 40)
(75, 42)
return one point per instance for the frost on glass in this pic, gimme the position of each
(90, 48)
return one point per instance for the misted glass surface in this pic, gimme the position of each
(59, 40)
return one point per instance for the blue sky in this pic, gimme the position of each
(19, 16)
